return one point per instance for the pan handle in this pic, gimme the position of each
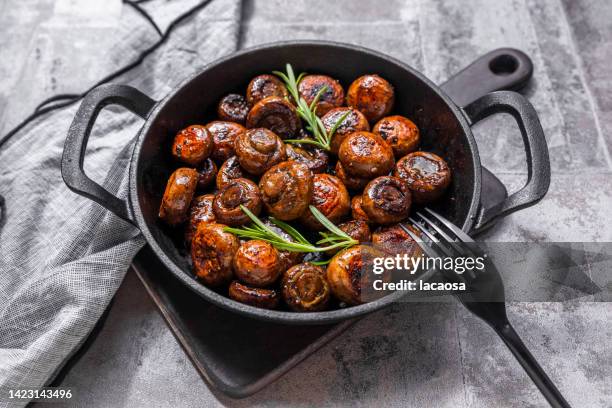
(74, 149)
(538, 165)
(500, 69)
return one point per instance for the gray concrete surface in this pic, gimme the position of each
(429, 355)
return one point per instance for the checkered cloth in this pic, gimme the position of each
(62, 257)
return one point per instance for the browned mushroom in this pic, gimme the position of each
(428, 176)
(350, 274)
(181, 186)
(263, 86)
(233, 108)
(332, 97)
(314, 158)
(387, 200)
(354, 122)
(351, 182)
(236, 193)
(201, 211)
(257, 263)
(212, 252)
(305, 288)
(356, 229)
(330, 197)
(192, 145)
(208, 172)
(277, 114)
(230, 170)
(224, 134)
(258, 297)
(357, 209)
(394, 240)
(371, 95)
(400, 132)
(366, 155)
(259, 149)
(286, 190)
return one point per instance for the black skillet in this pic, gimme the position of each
(444, 114)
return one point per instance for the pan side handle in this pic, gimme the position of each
(536, 149)
(474, 89)
(76, 143)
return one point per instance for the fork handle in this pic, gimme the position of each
(531, 366)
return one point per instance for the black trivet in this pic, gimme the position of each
(234, 354)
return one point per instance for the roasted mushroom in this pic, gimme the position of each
(371, 95)
(351, 182)
(357, 210)
(356, 229)
(257, 263)
(353, 122)
(230, 170)
(208, 172)
(263, 86)
(224, 135)
(387, 200)
(400, 132)
(332, 97)
(286, 190)
(233, 108)
(330, 197)
(277, 114)
(350, 274)
(305, 289)
(201, 211)
(228, 202)
(259, 149)
(314, 158)
(428, 176)
(181, 186)
(192, 145)
(394, 240)
(366, 155)
(212, 252)
(258, 297)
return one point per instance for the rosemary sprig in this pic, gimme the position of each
(314, 124)
(335, 238)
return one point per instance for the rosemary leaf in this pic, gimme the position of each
(259, 230)
(338, 124)
(322, 138)
(320, 263)
(290, 230)
(300, 141)
(313, 104)
(327, 223)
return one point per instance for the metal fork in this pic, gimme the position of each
(485, 295)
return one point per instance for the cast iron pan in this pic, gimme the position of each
(444, 114)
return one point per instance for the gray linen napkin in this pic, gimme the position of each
(62, 257)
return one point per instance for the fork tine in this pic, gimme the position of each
(462, 248)
(432, 225)
(451, 241)
(457, 231)
(431, 237)
(429, 250)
